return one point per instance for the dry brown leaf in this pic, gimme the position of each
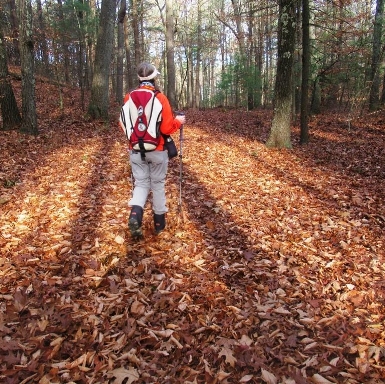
(229, 356)
(246, 378)
(222, 375)
(268, 377)
(119, 239)
(137, 308)
(120, 375)
(318, 379)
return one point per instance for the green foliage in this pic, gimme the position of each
(340, 56)
(78, 20)
(238, 82)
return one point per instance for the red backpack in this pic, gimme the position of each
(141, 118)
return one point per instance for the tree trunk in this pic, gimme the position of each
(170, 53)
(82, 58)
(197, 85)
(376, 54)
(29, 118)
(251, 84)
(268, 70)
(42, 42)
(9, 109)
(136, 29)
(119, 62)
(14, 58)
(131, 76)
(190, 78)
(280, 129)
(305, 72)
(99, 104)
(65, 50)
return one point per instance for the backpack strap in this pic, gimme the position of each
(165, 137)
(141, 148)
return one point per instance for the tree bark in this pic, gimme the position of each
(14, 58)
(170, 53)
(99, 104)
(376, 54)
(197, 85)
(119, 63)
(283, 98)
(65, 49)
(136, 29)
(305, 72)
(29, 118)
(42, 40)
(131, 76)
(9, 109)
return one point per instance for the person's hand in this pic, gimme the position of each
(181, 118)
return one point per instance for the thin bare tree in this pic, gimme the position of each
(170, 53)
(376, 57)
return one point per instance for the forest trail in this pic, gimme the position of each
(274, 271)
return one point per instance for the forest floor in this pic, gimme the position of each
(271, 269)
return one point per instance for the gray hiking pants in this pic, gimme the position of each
(149, 175)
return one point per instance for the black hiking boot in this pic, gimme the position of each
(135, 221)
(159, 222)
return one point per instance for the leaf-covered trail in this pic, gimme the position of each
(273, 272)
